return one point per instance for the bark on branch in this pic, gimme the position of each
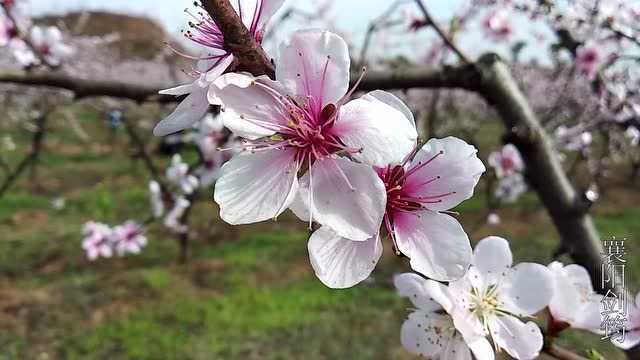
(544, 171)
(247, 51)
(84, 87)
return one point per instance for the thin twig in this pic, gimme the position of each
(31, 158)
(142, 152)
(441, 33)
(25, 38)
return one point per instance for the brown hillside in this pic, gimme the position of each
(140, 37)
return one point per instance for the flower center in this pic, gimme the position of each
(507, 163)
(45, 50)
(310, 133)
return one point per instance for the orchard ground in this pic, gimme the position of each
(248, 292)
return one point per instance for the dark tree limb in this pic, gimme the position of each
(82, 88)
(544, 170)
(31, 158)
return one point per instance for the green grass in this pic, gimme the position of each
(248, 292)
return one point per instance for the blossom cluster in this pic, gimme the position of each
(31, 45)
(508, 167)
(101, 240)
(483, 312)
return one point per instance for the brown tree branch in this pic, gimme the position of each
(248, 53)
(84, 87)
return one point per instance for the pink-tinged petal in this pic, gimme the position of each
(256, 186)
(450, 175)
(315, 63)
(414, 287)
(426, 333)
(521, 341)
(492, 256)
(251, 106)
(193, 108)
(393, 101)
(527, 289)
(631, 339)
(256, 14)
(215, 69)
(348, 197)
(436, 244)
(300, 204)
(374, 124)
(342, 263)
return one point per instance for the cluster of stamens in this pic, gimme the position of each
(399, 198)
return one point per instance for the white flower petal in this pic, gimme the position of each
(521, 341)
(492, 256)
(393, 101)
(440, 294)
(436, 244)
(342, 263)
(527, 289)
(256, 186)
(456, 349)
(315, 63)
(348, 197)
(414, 287)
(178, 90)
(251, 106)
(450, 175)
(383, 132)
(426, 333)
(481, 348)
(191, 109)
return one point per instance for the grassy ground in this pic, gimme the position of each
(248, 292)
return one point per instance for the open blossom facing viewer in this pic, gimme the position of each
(508, 166)
(8, 31)
(588, 60)
(304, 121)
(178, 174)
(493, 295)
(208, 139)
(214, 62)
(97, 240)
(420, 189)
(49, 43)
(506, 161)
(497, 25)
(574, 303)
(128, 238)
(430, 331)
